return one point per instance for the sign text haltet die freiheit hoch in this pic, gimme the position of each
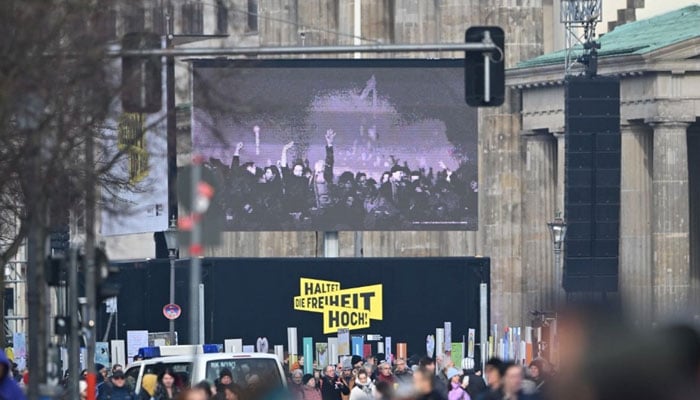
(351, 308)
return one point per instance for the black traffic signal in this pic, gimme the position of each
(59, 238)
(484, 72)
(142, 82)
(106, 277)
(55, 270)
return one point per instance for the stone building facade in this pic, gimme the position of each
(659, 275)
(521, 147)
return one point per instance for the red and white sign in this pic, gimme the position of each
(172, 311)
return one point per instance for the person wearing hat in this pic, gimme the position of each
(225, 377)
(356, 361)
(103, 383)
(456, 390)
(118, 390)
(309, 390)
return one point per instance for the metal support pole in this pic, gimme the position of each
(555, 272)
(90, 281)
(487, 69)
(349, 49)
(73, 338)
(171, 323)
(483, 322)
(330, 244)
(196, 253)
(36, 302)
(201, 312)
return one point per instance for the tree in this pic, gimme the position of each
(57, 90)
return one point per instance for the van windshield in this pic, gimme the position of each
(246, 371)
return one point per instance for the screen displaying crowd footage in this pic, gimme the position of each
(337, 144)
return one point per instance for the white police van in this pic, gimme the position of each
(198, 363)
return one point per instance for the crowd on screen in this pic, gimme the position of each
(297, 195)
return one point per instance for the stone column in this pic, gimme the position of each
(559, 207)
(636, 266)
(670, 219)
(539, 184)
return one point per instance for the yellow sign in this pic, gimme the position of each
(351, 308)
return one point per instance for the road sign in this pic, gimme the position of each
(172, 311)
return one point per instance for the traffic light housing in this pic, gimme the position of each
(480, 67)
(55, 270)
(142, 76)
(106, 277)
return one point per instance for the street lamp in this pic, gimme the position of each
(558, 230)
(171, 241)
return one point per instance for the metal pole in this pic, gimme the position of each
(196, 253)
(483, 322)
(73, 338)
(201, 312)
(172, 293)
(487, 70)
(90, 281)
(555, 273)
(258, 51)
(36, 304)
(330, 244)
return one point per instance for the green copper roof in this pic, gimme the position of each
(638, 37)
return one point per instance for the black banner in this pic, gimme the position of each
(252, 298)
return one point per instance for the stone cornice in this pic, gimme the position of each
(678, 58)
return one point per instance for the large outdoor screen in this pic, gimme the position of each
(337, 144)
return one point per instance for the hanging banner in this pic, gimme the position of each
(350, 309)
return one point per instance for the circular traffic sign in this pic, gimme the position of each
(172, 311)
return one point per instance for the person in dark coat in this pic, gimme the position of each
(118, 390)
(9, 389)
(332, 386)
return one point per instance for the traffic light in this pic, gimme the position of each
(142, 82)
(484, 72)
(59, 238)
(106, 277)
(55, 270)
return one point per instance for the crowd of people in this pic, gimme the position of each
(299, 195)
(369, 380)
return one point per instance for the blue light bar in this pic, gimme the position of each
(210, 348)
(149, 352)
